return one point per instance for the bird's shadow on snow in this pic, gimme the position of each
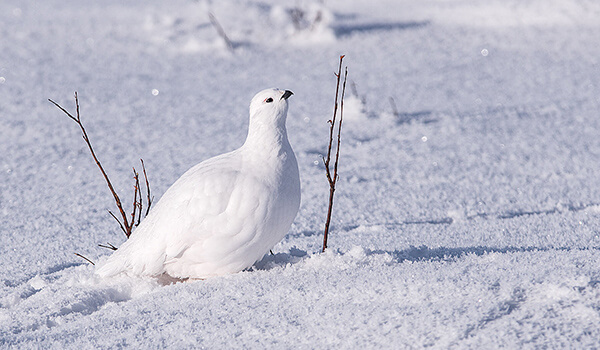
(270, 261)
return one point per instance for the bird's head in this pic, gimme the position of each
(270, 106)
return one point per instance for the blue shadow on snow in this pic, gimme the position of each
(342, 30)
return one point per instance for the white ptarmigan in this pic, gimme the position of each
(225, 213)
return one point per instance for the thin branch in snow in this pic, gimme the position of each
(86, 259)
(298, 16)
(148, 199)
(108, 246)
(119, 221)
(220, 31)
(394, 109)
(125, 224)
(77, 120)
(332, 178)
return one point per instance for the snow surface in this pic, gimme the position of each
(468, 208)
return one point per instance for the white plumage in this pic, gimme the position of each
(225, 213)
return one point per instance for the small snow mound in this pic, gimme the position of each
(351, 259)
(327, 258)
(304, 25)
(193, 45)
(457, 215)
(37, 282)
(357, 253)
(354, 109)
(557, 292)
(191, 31)
(593, 209)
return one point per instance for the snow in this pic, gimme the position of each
(465, 217)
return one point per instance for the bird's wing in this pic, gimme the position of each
(225, 216)
(208, 212)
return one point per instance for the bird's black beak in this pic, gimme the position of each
(286, 94)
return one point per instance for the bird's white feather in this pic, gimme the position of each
(225, 213)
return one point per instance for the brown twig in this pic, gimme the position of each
(149, 199)
(332, 122)
(332, 179)
(127, 227)
(119, 221)
(136, 212)
(220, 31)
(109, 246)
(136, 215)
(339, 134)
(86, 259)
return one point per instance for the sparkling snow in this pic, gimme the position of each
(467, 213)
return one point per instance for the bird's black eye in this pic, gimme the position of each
(269, 100)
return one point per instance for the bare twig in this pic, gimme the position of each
(339, 134)
(297, 16)
(300, 21)
(316, 20)
(126, 225)
(149, 199)
(120, 224)
(220, 31)
(86, 259)
(108, 246)
(137, 203)
(394, 109)
(354, 89)
(332, 121)
(332, 178)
